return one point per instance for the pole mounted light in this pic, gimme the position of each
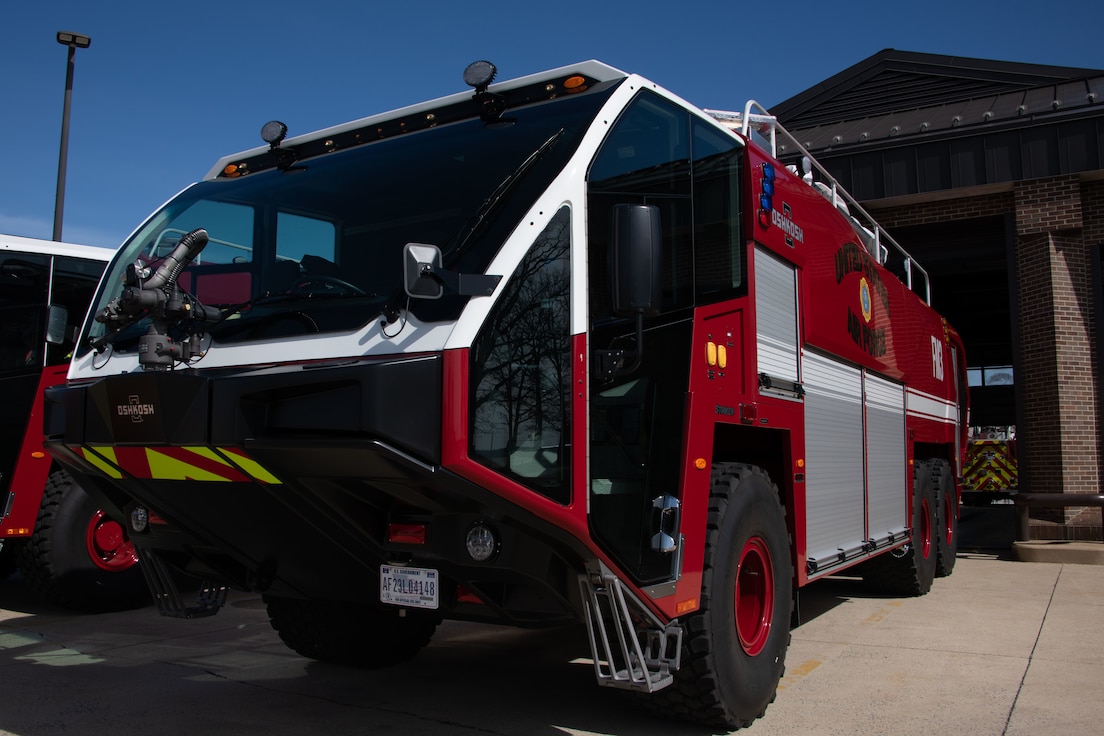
(74, 41)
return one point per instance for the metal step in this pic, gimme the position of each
(631, 648)
(209, 598)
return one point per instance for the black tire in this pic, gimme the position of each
(8, 557)
(734, 646)
(350, 633)
(77, 557)
(910, 570)
(947, 505)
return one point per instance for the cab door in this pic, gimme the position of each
(656, 154)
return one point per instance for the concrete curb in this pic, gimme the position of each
(1070, 553)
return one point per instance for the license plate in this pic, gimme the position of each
(414, 587)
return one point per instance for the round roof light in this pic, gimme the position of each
(479, 74)
(273, 132)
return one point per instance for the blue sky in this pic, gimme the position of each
(168, 88)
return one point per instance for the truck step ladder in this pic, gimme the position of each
(631, 648)
(209, 598)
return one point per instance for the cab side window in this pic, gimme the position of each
(24, 288)
(645, 160)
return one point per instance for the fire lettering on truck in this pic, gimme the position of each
(937, 358)
(852, 258)
(871, 340)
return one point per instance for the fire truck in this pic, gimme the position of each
(68, 550)
(562, 349)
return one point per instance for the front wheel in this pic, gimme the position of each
(735, 646)
(78, 557)
(350, 633)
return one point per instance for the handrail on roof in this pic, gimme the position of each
(877, 241)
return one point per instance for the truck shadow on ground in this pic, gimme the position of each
(136, 673)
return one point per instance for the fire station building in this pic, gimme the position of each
(991, 174)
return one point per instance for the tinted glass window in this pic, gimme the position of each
(719, 252)
(521, 370)
(645, 160)
(335, 225)
(74, 283)
(24, 285)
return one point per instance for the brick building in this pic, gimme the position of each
(992, 175)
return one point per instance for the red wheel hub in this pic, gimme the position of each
(754, 596)
(108, 545)
(950, 514)
(925, 529)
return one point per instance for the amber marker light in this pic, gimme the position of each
(700, 463)
(575, 83)
(801, 462)
(231, 170)
(685, 606)
(38, 454)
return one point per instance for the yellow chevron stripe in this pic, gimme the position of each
(253, 468)
(104, 466)
(164, 467)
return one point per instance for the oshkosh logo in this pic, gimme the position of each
(784, 220)
(135, 409)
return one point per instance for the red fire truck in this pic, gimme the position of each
(67, 549)
(565, 348)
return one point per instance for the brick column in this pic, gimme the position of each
(1061, 448)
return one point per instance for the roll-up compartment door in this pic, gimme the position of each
(885, 459)
(834, 459)
(776, 321)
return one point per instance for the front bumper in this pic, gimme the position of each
(286, 480)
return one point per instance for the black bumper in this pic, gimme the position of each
(285, 481)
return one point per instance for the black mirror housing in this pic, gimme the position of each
(636, 260)
(57, 322)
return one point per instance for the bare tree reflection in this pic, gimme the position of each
(520, 370)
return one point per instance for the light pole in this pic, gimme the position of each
(74, 41)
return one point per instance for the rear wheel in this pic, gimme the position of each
(947, 529)
(350, 633)
(78, 557)
(910, 570)
(734, 648)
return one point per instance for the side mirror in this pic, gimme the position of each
(57, 321)
(423, 277)
(420, 262)
(636, 259)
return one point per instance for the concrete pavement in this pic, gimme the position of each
(1000, 647)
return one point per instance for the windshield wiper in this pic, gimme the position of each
(391, 308)
(499, 193)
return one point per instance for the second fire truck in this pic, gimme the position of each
(559, 349)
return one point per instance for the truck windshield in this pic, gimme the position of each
(317, 246)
